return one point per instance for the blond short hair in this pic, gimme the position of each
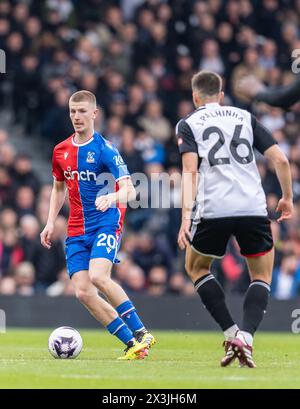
(83, 95)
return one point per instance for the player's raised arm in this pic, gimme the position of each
(283, 172)
(57, 199)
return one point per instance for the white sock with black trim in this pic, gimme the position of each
(230, 333)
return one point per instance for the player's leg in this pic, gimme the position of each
(213, 298)
(87, 294)
(100, 275)
(255, 304)
(257, 295)
(210, 291)
(77, 257)
(209, 241)
(257, 246)
(103, 255)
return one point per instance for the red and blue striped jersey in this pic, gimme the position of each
(89, 170)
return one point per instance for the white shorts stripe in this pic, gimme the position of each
(206, 255)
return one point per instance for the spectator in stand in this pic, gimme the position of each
(135, 104)
(3, 136)
(23, 174)
(286, 279)
(29, 238)
(177, 283)
(149, 251)
(6, 191)
(25, 201)
(27, 88)
(155, 124)
(151, 151)
(49, 266)
(113, 88)
(113, 130)
(135, 281)
(267, 55)
(8, 219)
(63, 285)
(24, 276)
(7, 156)
(249, 66)
(7, 286)
(11, 252)
(184, 70)
(56, 124)
(128, 151)
(157, 281)
(210, 58)
(121, 269)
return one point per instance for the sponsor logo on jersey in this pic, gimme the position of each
(90, 157)
(83, 175)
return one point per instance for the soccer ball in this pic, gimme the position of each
(64, 343)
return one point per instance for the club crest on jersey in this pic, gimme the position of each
(90, 157)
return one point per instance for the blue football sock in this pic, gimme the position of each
(118, 328)
(129, 315)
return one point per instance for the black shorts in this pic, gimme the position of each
(253, 234)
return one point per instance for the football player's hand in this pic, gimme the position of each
(286, 208)
(184, 235)
(46, 236)
(103, 202)
(249, 86)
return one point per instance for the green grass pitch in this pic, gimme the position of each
(178, 360)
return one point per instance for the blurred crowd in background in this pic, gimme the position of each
(138, 58)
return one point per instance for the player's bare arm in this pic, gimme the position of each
(57, 199)
(125, 194)
(189, 190)
(282, 168)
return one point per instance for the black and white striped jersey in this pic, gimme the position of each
(225, 137)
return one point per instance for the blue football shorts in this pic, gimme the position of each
(102, 243)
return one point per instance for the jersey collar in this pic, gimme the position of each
(212, 105)
(82, 144)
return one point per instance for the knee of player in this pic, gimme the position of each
(191, 269)
(190, 265)
(187, 267)
(196, 270)
(99, 280)
(83, 295)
